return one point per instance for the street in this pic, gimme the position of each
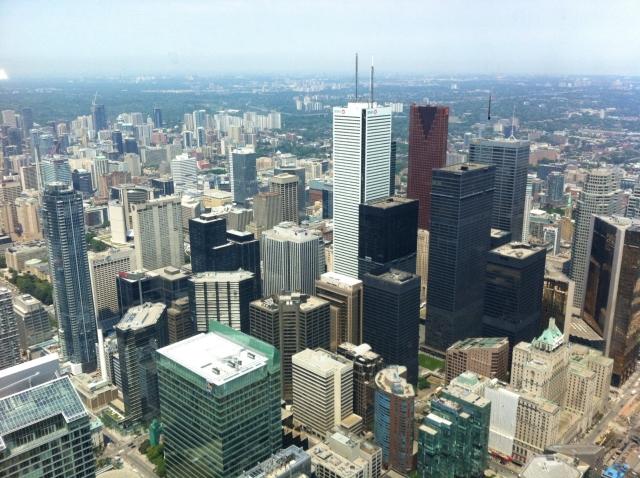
(120, 446)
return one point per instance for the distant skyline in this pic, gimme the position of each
(65, 38)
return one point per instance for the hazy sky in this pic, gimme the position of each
(71, 37)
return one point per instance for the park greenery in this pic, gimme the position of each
(30, 284)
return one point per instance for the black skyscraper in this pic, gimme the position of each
(513, 294)
(81, 180)
(388, 235)
(118, 143)
(162, 186)
(392, 172)
(99, 116)
(157, 118)
(391, 317)
(205, 233)
(27, 121)
(131, 146)
(461, 200)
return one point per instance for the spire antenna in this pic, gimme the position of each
(371, 84)
(356, 77)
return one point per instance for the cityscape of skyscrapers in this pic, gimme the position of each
(314, 276)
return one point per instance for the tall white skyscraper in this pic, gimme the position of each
(184, 171)
(600, 196)
(361, 166)
(158, 233)
(292, 258)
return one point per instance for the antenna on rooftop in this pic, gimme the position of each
(356, 77)
(371, 85)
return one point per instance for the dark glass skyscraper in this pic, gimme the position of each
(63, 219)
(99, 115)
(81, 180)
(157, 118)
(428, 130)
(205, 233)
(510, 158)
(117, 141)
(391, 316)
(513, 294)
(27, 121)
(244, 178)
(610, 304)
(461, 202)
(388, 235)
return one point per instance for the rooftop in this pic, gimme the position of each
(550, 339)
(519, 250)
(289, 231)
(38, 403)
(320, 361)
(222, 276)
(390, 202)
(141, 316)
(395, 276)
(214, 357)
(464, 167)
(307, 302)
(324, 456)
(339, 280)
(549, 466)
(481, 343)
(390, 381)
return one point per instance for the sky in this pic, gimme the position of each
(64, 38)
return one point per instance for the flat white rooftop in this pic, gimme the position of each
(213, 357)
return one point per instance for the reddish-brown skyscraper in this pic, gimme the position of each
(428, 129)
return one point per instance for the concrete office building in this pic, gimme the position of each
(267, 211)
(234, 384)
(459, 239)
(243, 174)
(223, 297)
(322, 390)
(103, 269)
(292, 462)
(300, 173)
(9, 331)
(63, 221)
(142, 330)
(557, 301)
(185, 172)
(346, 455)
(179, 323)
(485, 356)
(614, 263)
(292, 258)
(600, 196)
(422, 262)
(291, 323)
(366, 365)
(510, 157)
(46, 431)
(158, 234)
(388, 235)
(393, 418)
(391, 318)
(28, 218)
(513, 292)
(345, 296)
(33, 320)
(286, 186)
(362, 164)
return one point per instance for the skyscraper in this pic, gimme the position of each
(300, 173)
(362, 158)
(63, 219)
(33, 320)
(511, 159)
(286, 186)
(9, 332)
(322, 389)
(266, 212)
(157, 118)
(555, 188)
(244, 177)
(393, 418)
(223, 297)
(27, 121)
(513, 292)
(488, 357)
(184, 171)
(459, 238)
(291, 323)
(158, 233)
(206, 232)
(46, 431)
(117, 141)
(142, 330)
(388, 235)
(391, 317)
(428, 130)
(232, 418)
(292, 258)
(345, 296)
(600, 196)
(99, 116)
(104, 267)
(611, 290)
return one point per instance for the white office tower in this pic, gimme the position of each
(286, 186)
(600, 196)
(361, 168)
(292, 259)
(185, 172)
(158, 233)
(104, 267)
(223, 297)
(528, 205)
(322, 390)
(551, 237)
